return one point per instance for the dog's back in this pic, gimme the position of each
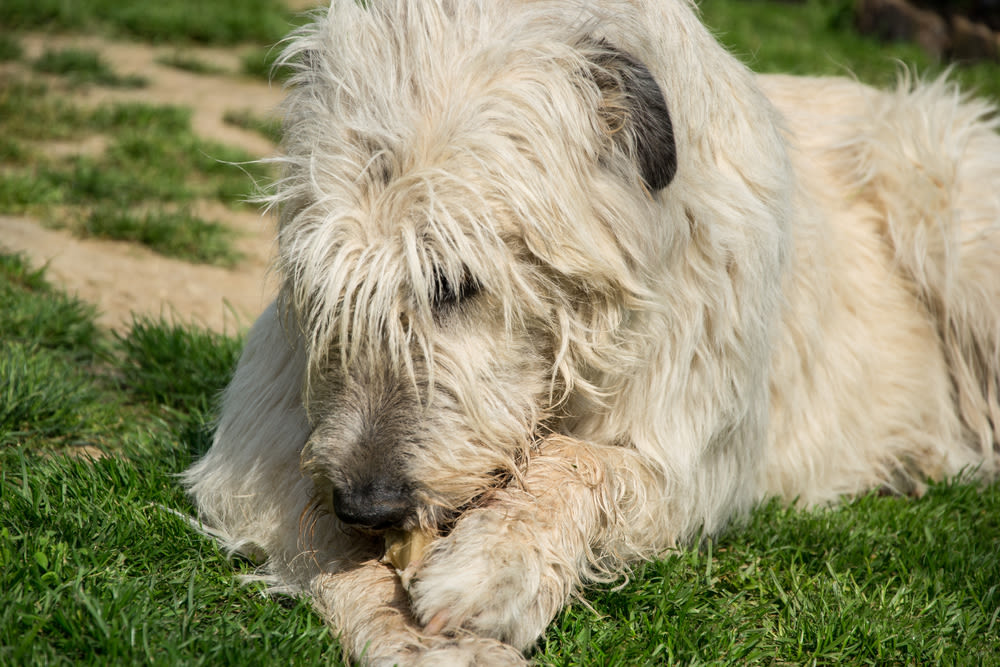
(893, 325)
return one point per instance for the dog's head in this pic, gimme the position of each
(467, 217)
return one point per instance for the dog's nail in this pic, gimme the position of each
(406, 576)
(437, 623)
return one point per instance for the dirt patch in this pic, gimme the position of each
(121, 278)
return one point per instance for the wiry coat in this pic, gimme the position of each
(567, 284)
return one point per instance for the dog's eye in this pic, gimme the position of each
(447, 293)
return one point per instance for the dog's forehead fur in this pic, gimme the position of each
(440, 164)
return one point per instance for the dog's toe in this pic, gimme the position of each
(469, 652)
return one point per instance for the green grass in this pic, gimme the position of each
(267, 126)
(95, 569)
(96, 572)
(178, 234)
(153, 161)
(34, 314)
(207, 22)
(30, 113)
(260, 63)
(152, 153)
(182, 61)
(816, 37)
(878, 581)
(175, 365)
(10, 47)
(83, 66)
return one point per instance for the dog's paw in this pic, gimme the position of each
(491, 577)
(467, 652)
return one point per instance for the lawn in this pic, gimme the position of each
(98, 565)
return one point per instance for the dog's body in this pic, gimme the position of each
(567, 285)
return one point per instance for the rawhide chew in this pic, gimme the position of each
(402, 547)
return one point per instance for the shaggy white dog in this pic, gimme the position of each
(564, 286)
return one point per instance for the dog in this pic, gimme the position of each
(564, 286)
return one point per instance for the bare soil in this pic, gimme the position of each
(122, 278)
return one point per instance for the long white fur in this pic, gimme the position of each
(810, 309)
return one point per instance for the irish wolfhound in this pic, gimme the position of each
(564, 285)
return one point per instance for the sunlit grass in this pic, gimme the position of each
(82, 66)
(96, 568)
(141, 185)
(817, 37)
(213, 22)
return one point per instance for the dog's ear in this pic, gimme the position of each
(635, 114)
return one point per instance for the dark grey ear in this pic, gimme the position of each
(635, 113)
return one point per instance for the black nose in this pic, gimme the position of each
(374, 505)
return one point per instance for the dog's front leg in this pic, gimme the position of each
(368, 608)
(508, 567)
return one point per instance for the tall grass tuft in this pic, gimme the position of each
(182, 367)
(85, 66)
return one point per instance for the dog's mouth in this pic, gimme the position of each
(407, 546)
